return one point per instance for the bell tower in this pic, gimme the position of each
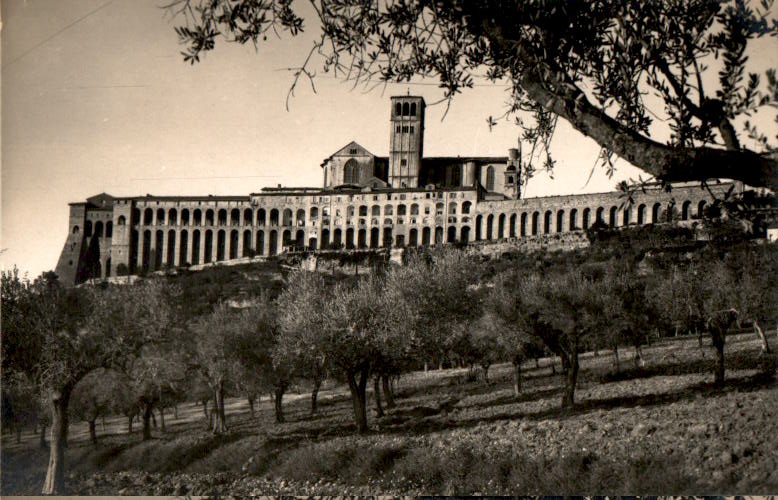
(406, 141)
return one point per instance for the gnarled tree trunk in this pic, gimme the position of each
(568, 399)
(278, 399)
(315, 395)
(485, 367)
(220, 421)
(251, 400)
(388, 393)
(358, 388)
(93, 431)
(55, 474)
(379, 411)
(147, 415)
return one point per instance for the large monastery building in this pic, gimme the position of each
(366, 201)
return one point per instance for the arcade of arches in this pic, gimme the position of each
(144, 237)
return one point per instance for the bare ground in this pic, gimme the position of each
(659, 428)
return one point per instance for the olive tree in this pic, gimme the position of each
(569, 309)
(58, 336)
(591, 63)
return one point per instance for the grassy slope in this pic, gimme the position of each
(658, 429)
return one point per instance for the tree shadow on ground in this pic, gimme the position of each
(739, 360)
(442, 422)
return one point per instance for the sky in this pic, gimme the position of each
(96, 98)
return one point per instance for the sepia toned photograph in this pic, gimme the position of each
(389, 248)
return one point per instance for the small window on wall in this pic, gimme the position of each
(411, 129)
(403, 162)
(398, 129)
(405, 128)
(352, 151)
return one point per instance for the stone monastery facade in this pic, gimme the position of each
(366, 201)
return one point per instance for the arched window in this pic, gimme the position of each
(452, 208)
(314, 213)
(586, 213)
(287, 221)
(612, 217)
(350, 211)
(351, 172)
(547, 222)
(209, 217)
(627, 216)
(363, 210)
(185, 217)
(388, 210)
(222, 217)
(560, 220)
(598, 217)
(413, 109)
(88, 229)
(406, 109)
(535, 217)
(655, 212)
(573, 220)
(121, 220)
(685, 210)
(439, 208)
(466, 207)
(401, 209)
(160, 216)
(300, 217)
(490, 178)
(414, 209)
(148, 216)
(261, 217)
(172, 217)
(197, 217)
(398, 109)
(641, 214)
(75, 230)
(375, 211)
(248, 216)
(701, 209)
(99, 229)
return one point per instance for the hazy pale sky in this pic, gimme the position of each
(96, 97)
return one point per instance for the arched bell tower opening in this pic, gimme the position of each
(406, 141)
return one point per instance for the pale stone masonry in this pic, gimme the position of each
(366, 202)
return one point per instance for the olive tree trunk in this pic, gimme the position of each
(379, 411)
(55, 474)
(93, 431)
(219, 421)
(315, 395)
(358, 388)
(277, 400)
(388, 393)
(568, 398)
(147, 416)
